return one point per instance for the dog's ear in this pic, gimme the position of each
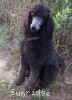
(48, 12)
(29, 17)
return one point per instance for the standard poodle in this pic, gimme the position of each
(37, 51)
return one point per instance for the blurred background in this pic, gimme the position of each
(12, 14)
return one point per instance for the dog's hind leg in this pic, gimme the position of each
(50, 74)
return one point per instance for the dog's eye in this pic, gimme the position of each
(33, 14)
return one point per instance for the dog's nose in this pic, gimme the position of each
(32, 28)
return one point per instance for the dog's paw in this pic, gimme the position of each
(41, 85)
(29, 89)
(18, 82)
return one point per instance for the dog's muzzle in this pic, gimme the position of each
(36, 23)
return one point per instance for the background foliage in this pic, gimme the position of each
(13, 12)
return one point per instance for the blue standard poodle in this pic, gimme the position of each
(37, 51)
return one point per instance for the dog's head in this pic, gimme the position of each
(38, 15)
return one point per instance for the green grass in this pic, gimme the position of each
(4, 30)
(55, 86)
(38, 96)
(5, 86)
(41, 95)
(7, 31)
(70, 52)
(15, 52)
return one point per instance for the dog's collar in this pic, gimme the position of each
(32, 38)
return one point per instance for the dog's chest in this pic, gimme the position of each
(32, 51)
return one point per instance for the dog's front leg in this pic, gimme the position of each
(21, 73)
(34, 73)
(22, 67)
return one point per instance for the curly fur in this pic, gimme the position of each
(38, 55)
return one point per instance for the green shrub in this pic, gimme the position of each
(61, 17)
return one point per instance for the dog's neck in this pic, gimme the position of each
(32, 38)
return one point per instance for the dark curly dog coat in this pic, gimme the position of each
(37, 49)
